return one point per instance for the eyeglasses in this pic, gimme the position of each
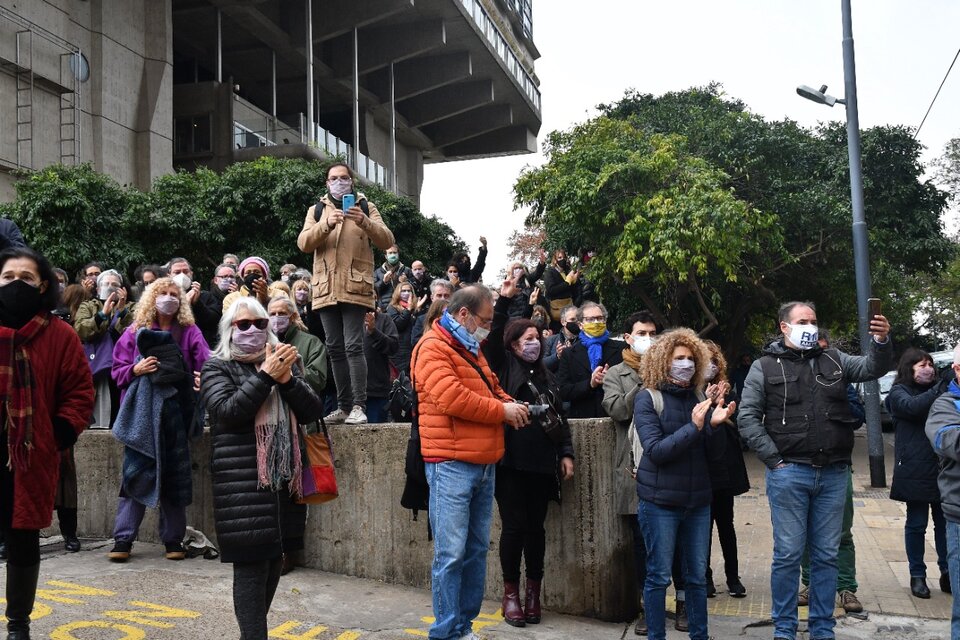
(483, 320)
(340, 179)
(244, 325)
(595, 319)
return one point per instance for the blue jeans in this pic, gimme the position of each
(914, 536)
(806, 509)
(953, 561)
(663, 528)
(461, 507)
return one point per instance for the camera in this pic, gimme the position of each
(538, 410)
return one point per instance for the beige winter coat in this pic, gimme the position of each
(342, 256)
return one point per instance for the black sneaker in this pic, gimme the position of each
(71, 544)
(711, 588)
(736, 589)
(175, 551)
(121, 551)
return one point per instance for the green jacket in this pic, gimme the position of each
(314, 355)
(91, 324)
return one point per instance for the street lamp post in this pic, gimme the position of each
(861, 258)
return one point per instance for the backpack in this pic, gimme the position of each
(636, 448)
(401, 398)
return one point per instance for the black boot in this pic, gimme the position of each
(21, 591)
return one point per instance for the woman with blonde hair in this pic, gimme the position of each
(159, 356)
(403, 309)
(677, 427)
(728, 478)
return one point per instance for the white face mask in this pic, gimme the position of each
(803, 336)
(711, 372)
(641, 344)
(183, 281)
(481, 334)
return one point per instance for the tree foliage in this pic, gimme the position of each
(75, 215)
(710, 215)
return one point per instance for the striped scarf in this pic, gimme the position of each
(16, 388)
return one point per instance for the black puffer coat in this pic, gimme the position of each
(916, 468)
(252, 524)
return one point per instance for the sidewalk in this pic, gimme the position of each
(85, 597)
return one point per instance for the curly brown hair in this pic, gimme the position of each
(716, 356)
(655, 365)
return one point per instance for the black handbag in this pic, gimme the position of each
(544, 413)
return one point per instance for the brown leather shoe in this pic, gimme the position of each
(681, 623)
(287, 564)
(533, 601)
(512, 612)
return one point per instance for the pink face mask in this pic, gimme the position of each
(339, 188)
(167, 304)
(925, 375)
(530, 350)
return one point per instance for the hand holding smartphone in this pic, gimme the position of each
(348, 201)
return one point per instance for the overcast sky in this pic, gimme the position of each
(760, 50)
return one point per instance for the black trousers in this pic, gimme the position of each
(721, 514)
(254, 585)
(522, 499)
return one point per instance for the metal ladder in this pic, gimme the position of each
(69, 111)
(24, 81)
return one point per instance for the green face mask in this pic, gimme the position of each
(393, 258)
(594, 329)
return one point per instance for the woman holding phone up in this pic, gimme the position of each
(338, 231)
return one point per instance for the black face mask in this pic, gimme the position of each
(19, 302)
(572, 328)
(249, 279)
(563, 264)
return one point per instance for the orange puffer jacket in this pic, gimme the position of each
(460, 419)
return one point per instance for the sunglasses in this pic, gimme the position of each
(259, 323)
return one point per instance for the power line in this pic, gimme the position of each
(937, 94)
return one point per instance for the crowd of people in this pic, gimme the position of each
(263, 361)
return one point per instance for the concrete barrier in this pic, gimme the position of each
(366, 533)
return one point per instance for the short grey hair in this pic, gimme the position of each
(441, 283)
(285, 299)
(224, 348)
(956, 354)
(226, 266)
(783, 315)
(589, 305)
(567, 309)
(470, 298)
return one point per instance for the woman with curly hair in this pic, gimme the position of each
(728, 478)
(157, 362)
(677, 426)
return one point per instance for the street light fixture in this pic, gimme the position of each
(861, 259)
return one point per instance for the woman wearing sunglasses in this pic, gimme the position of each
(162, 308)
(254, 393)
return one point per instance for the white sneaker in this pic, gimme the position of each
(471, 636)
(337, 417)
(357, 416)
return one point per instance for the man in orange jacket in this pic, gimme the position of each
(462, 411)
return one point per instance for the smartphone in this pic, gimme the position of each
(873, 308)
(348, 201)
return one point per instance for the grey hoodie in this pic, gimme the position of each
(943, 431)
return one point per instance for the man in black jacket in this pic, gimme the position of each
(380, 341)
(388, 274)
(206, 309)
(796, 416)
(584, 365)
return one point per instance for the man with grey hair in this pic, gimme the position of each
(795, 414)
(943, 431)
(440, 289)
(563, 339)
(583, 365)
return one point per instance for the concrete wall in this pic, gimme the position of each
(365, 532)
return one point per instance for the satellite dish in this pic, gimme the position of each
(79, 67)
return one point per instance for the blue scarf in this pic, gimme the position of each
(459, 332)
(594, 347)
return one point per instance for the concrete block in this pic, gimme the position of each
(366, 533)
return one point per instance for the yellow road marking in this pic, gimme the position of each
(146, 618)
(285, 631)
(65, 632)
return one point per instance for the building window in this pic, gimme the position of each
(192, 135)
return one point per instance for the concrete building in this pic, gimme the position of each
(140, 87)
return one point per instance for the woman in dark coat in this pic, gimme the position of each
(728, 478)
(915, 473)
(527, 476)
(680, 432)
(252, 394)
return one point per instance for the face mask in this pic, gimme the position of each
(250, 341)
(19, 300)
(563, 264)
(182, 280)
(530, 350)
(572, 328)
(339, 188)
(225, 284)
(803, 336)
(393, 258)
(925, 376)
(300, 295)
(106, 290)
(452, 276)
(711, 372)
(540, 321)
(517, 272)
(594, 329)
(418, 273)
(284, 278)
(249, 279)
(481, 334)
(62, 287)
(280, 324)
(405, 296)
(682, 370)
(168, 305)
(641, 344)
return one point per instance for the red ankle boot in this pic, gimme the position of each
(512, 612)
(533, 601)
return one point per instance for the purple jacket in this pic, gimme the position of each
(189, 339)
